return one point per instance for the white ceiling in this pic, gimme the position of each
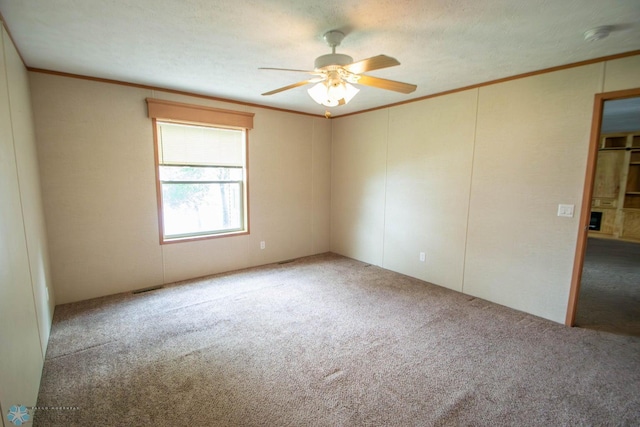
(214, 47)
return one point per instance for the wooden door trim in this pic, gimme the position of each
(585, 215)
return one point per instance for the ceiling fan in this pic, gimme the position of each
(335, 72)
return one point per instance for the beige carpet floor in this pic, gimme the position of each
(328, 341)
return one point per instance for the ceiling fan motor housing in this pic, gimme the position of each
(332, 59)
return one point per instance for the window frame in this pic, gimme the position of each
(161, 111)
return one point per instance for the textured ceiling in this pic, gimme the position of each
(214, 47)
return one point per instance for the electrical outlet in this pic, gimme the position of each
(262, 245)
(423, 257)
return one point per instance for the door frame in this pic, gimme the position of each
(585, 216)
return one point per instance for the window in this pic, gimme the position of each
(201, 174)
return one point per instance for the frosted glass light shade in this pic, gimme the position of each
(350, 92)
(330, 96)
(319, 93)
(336, 90)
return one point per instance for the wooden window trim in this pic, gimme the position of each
(197, 114)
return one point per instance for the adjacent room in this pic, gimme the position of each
(609, 292)
(338, 213)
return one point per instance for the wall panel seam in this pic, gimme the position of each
(386, 184)
(331, 187)
(313, 192)
(473, 158)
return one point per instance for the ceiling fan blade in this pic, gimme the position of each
(386, 84)
(282, 89)
(373, 63)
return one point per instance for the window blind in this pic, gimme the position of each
(197, 145)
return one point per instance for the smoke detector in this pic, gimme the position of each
(597, 33)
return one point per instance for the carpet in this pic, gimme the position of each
(327, 341)
(609, 298)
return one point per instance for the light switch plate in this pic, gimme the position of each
(566, 210)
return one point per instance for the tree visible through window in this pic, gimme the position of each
(202, 179)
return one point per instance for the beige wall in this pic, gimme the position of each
(429, 158)
(622, 74)
(95, 146)
(474, 179)
(357, 185)
(530, 155)
(25, 308)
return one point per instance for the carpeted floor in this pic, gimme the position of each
(609, 297)
(328, 341)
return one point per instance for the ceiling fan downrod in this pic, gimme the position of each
(333, 39)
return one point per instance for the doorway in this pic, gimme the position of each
(605, 290)
(609, 298)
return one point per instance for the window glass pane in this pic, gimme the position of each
(200, 145)
(195, 173)
(201, 208)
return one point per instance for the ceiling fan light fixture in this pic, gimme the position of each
(332, 95)
(336, 90)
(350, 92)
(320, 94)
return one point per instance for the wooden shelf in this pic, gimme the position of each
(618, 141)
(617, 185)
(632, 201)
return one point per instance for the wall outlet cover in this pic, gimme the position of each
(566, 210)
